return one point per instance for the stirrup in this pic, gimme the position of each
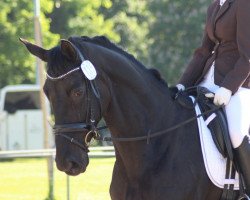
(244, 197)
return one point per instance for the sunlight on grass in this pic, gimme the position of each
(27, 179)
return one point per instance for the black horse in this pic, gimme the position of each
(134, 101)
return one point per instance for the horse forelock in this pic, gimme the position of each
(58, 64)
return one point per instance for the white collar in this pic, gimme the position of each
(222, 2)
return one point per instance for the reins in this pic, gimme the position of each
(156, 134)
(59, 129)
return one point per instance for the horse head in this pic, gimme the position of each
(126, 94)
(74, 101)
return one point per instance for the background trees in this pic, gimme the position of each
(160, 33)
(176, 30)
(16, 20)
(81, 17)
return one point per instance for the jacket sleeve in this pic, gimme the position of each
(195, 67)
(237, 76)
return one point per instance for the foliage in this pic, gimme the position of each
(160, 33)
(16, 20)
(124, 22)
(176, 31)
(81, 17)
(156, 32)
(132, 21)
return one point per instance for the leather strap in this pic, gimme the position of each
(76, 127)
(73, 141)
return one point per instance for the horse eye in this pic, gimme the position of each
(77, 93)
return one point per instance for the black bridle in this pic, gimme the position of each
(92, 132)
(89, 127)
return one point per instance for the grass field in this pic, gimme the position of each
(27, 179)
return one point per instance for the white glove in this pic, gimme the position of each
(221, 97)
(180, 87)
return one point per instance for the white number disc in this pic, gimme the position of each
(88, 69)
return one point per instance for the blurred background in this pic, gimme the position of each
(160, 33)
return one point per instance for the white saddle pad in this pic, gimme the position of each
(215, 163)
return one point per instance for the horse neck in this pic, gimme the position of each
(137, 99)
(139, 103)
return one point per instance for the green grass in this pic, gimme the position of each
(27, 179)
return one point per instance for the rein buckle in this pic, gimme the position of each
(88, 137)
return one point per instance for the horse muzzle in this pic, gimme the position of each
(72, 166)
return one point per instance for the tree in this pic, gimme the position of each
(81, 17)
(131, 21)
(16, 20)
(123, 22)
(175, 32)
(160, 33)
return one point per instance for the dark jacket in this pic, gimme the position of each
(226, 41)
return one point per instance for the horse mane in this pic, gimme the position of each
(56, 65)
(105, 42)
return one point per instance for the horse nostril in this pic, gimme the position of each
(73, 165)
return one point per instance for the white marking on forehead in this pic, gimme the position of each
(63, 75)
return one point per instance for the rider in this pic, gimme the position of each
(222, 64)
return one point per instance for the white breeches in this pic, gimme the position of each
(237, 111)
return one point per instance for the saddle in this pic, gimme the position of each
(216, 121)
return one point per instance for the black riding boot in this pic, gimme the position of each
(242, 155)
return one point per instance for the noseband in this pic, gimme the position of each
(92, 132)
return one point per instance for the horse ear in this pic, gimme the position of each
(68, 50)
(36, 50)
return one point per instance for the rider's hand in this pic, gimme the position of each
(180, 87)
(221, 97)
(174, 90)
